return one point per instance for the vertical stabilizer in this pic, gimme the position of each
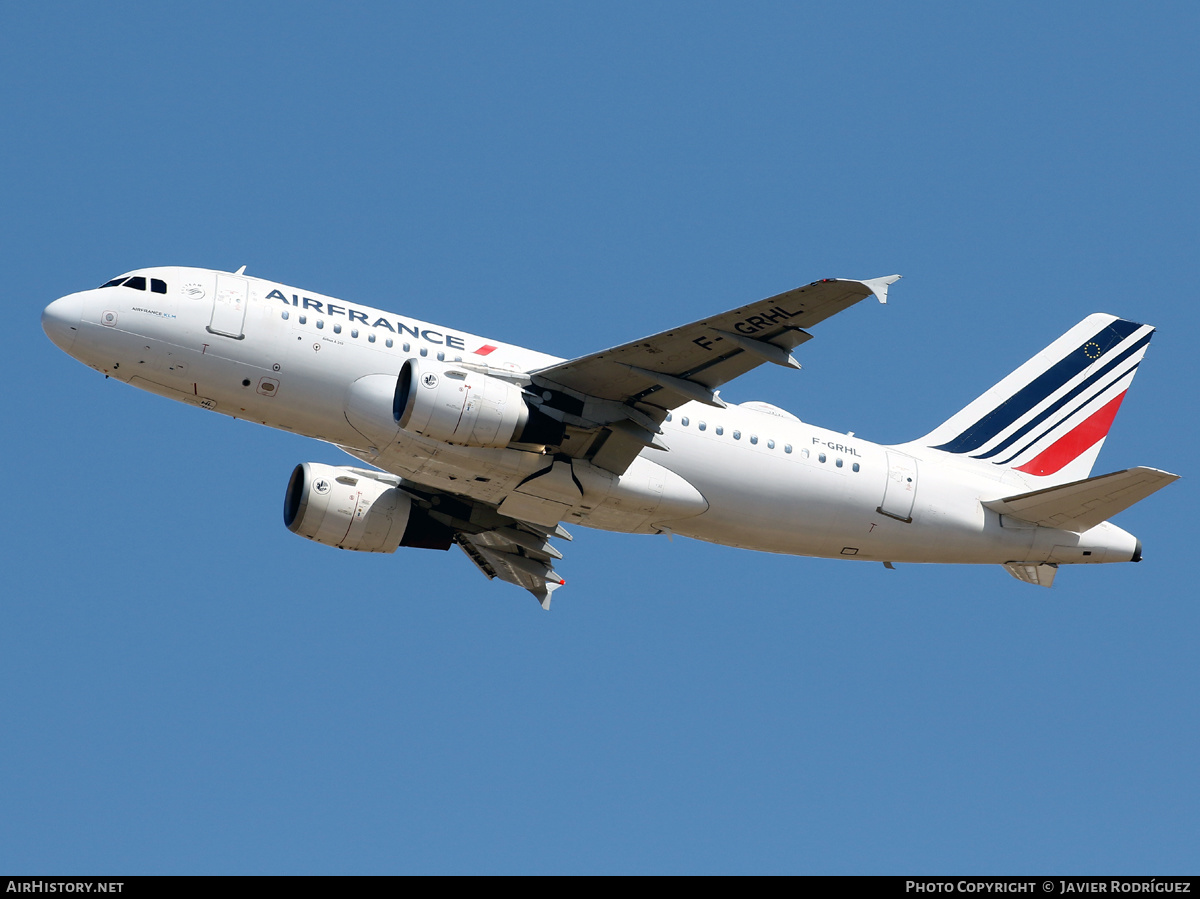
(1048, 419)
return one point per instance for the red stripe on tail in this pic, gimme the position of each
(1071, 445)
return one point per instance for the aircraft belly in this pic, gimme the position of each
(759, 500)
(799, 506)
(947, 524)
(647, 498)
(535, 487)
(484, 474)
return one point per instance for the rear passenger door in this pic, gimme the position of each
(901, 488)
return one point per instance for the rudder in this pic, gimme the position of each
(1048, 419)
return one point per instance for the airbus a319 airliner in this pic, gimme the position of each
(493, 447)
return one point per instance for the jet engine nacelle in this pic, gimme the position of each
(349, 509)
(458, 406)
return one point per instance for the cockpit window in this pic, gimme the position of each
(157, 285)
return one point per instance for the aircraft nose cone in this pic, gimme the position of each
(60, 320)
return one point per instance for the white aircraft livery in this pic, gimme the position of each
(492, 447)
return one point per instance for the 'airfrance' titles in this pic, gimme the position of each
(396, 326)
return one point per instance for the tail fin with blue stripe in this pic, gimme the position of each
(1048, 419)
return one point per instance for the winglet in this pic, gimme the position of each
(879, 286)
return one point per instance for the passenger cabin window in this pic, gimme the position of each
(787, 447)
(854, 467)
(370, 338)
(737, 435)
(354, 332)
(285, 315)
(720, 430)
(684, 421)
(754, 438)
(389, 341)
(821, 458)
(157, 285)
(770, 444)
(838, 463)
(304, 319)
(702, 426)
(668, 416)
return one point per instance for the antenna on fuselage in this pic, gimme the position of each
(241, 271)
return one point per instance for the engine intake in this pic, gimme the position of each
(348, 509)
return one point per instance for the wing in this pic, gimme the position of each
(614, 401)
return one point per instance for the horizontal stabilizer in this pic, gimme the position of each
(1081, 505)
(1032, 573)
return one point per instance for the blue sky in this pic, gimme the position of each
(188, 687)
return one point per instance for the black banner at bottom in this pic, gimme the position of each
(1041, 885)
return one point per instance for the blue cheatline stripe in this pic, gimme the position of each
(1039, 388)
(1062, 401)
(1127, 373)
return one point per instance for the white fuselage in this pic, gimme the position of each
(738, 476)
